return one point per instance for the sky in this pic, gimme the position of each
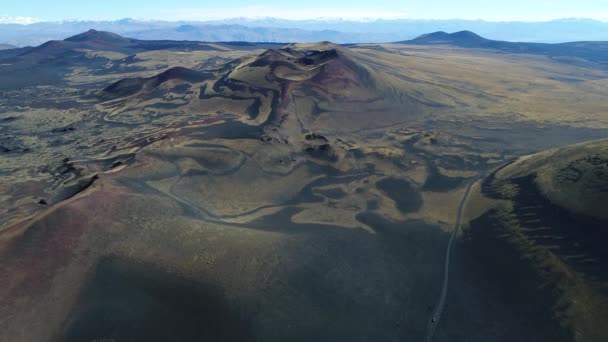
(26, 11)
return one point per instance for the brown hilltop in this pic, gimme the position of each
(132, 86)
(312, 80)
(104, 41)
(98, 36)
(90, 40)
(312, 64)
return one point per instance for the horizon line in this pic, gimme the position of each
(24, 20)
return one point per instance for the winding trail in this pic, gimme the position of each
(434, 320)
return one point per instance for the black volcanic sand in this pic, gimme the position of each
(339, 285)
(327, 283)
(567, 234)
(331, 284)
(228, 130)
(408, 200)
(350, 285)
(439, 182)
(494, 293)
(435, 181)
(132, 302)
(332, 193)
(308, 194)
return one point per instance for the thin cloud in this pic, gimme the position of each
(256, 12)
(18, 20)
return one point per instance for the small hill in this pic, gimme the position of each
(595, 52)
(574, 177)
(90, 40)
(107, 41)
(461, 38)
(99, 36)
(327, 85)
(542, 220)
(131, 86)
(94, 35)
(334, 87)
(7, 47)
(50, 62)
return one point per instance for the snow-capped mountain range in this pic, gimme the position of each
(27, 31)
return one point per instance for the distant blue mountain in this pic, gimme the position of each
(590, 51)
(281, 30)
